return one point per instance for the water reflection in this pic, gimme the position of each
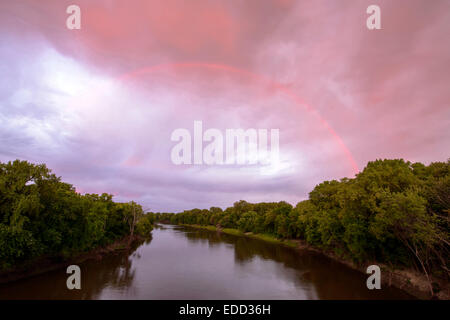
(114, 270)
(329, 279)
(189, 263)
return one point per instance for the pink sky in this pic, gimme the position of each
(98, 105)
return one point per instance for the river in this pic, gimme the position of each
(188, 263)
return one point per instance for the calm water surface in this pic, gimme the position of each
(188, 263)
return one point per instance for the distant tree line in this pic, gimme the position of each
(393, 212)
(42, 216)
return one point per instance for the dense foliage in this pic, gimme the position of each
(40, 215)
(392, 212)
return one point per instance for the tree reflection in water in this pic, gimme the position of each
(114, 270)
(190, 263)
(330, 279)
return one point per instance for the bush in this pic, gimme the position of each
(39, 215)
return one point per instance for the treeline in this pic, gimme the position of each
(42, 216)
(393, 212)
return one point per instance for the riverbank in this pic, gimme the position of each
(410, 281)
(236, 232)
(45, 264)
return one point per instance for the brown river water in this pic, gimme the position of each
(187, 263)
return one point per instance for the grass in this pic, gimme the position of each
(236, 232)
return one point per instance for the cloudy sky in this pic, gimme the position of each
(98, 105)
